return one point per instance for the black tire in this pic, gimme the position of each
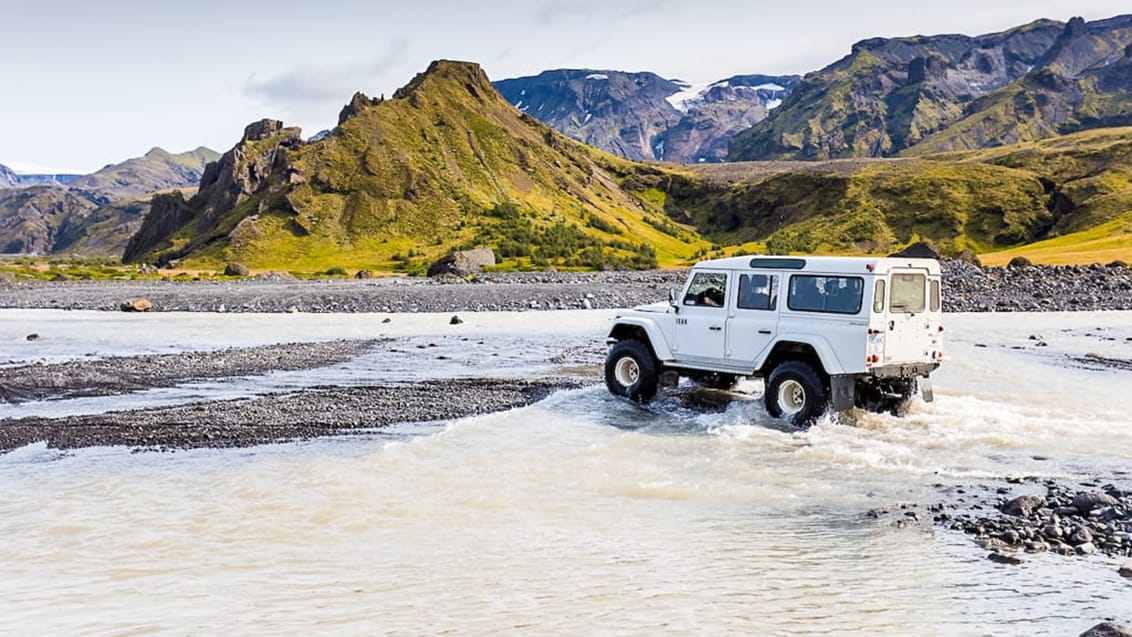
(795, 393)
(631, 371)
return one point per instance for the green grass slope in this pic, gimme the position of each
(446, 163)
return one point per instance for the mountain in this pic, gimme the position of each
(643, 116)
(10, 179)
(446, 162)
(946, 92)
(93, 215)
(157, 170)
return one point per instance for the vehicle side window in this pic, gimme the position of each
(706, 289)
(935, 295)
(758, 292)
(878, 296)
(908, 293)
(830, 294)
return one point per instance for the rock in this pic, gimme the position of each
(365, 274)
(1108, 629)
(463, 262)
(1018, 262)
(918, 250)
(236, 269)
(1116, 264)
(1088, 548)
(1080, 536)
(969, 256)
(33, 337)
(1022, 506)
(455, 320)
(262, 129)
(1004, 558)
(136, 305)
(274, 276)
(1086, 502)
(146, 268)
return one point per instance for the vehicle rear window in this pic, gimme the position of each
(831, 294)
(878, 296)
(935, 295)
(908, 293)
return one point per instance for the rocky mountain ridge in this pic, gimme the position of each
(953, 92)
(643, 116)
(11, 179)
(95, 214)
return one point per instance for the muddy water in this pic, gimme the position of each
(581, 514)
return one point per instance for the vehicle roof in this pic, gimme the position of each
(824, 264)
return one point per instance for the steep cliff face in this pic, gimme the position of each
(642, 116)
(226, 183)
(938, 93)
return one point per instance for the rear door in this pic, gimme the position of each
(908, 334)
(753, 318)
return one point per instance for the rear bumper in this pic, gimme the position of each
(905, 370)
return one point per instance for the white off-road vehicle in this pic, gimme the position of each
(821, 332)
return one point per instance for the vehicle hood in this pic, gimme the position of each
(656, 308)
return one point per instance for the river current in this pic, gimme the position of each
(581, 514)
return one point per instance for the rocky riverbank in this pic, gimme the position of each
(967, 288)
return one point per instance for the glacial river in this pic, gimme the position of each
(579, 515)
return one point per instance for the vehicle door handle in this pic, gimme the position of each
(715, 328)
(764, 331)
(891, 325)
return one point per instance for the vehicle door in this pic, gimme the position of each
(753, 318)
(908, 337)
(699, 333)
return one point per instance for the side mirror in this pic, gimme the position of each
(672, 299)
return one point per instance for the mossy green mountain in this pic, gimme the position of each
(446, 163)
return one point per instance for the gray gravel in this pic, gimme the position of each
(122, 374)
(280, 417)
(967, 288)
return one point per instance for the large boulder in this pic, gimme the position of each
(136, 305)
(1108, 629)
(1022, 506)
(463, 262)
(918, 250)
(236, 269)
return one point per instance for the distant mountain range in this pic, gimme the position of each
(888, 97)
(95, 214)
(10, 179)
(644, 116)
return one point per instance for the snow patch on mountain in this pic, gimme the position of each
(689, 94)
(597, 76)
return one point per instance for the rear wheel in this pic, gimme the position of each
(795, 393)
(631, 371)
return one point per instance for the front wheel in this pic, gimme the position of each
(630, 370)
(795, 393)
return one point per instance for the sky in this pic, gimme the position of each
(88, 83)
